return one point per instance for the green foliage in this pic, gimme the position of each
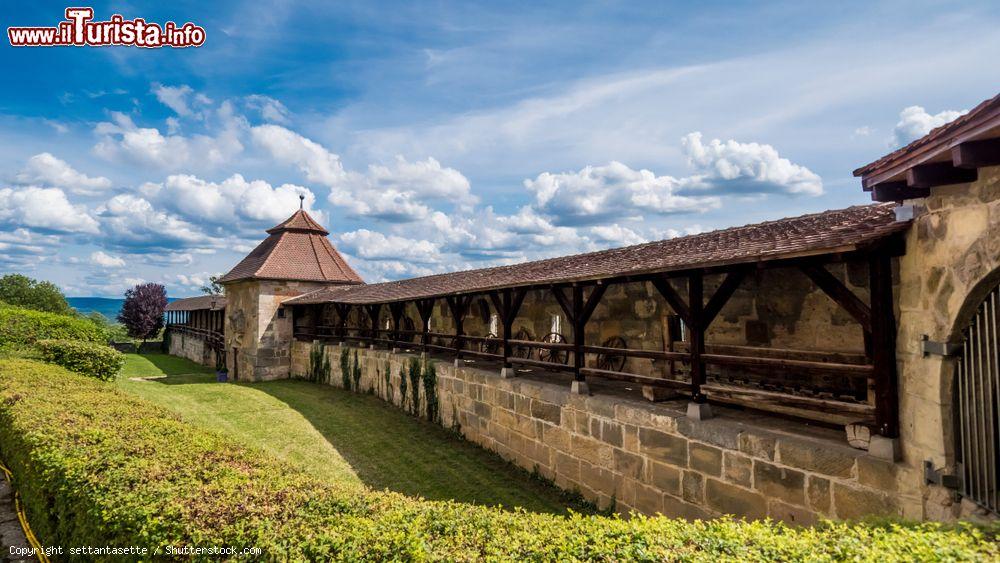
(96, 466)
(345, 367)
(430, 391)
(213, 287)
(388, 381)
(116, 332)
(22, 291)
(21, 327)
(319, 364)
(402, 387)
(356, 372)
(86, 358)
(414, 374)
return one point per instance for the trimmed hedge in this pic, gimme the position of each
(24, 327)
(98, 467)
(99, 361)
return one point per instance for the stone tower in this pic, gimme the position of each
(295, 258)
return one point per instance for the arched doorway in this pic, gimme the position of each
(977, 401)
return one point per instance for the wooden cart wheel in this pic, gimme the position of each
(612, 361)
(491, 345)
(522, 351)
(554, 356)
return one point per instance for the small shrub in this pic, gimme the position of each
(430, 391)
(415, 385)
(345, 367)
(86, 358)
(23, 327)
(319, 364)
(402, 388)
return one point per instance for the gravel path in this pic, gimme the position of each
(11, 534)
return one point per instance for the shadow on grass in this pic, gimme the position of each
(389, 449)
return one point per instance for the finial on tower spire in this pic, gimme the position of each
(302, 200)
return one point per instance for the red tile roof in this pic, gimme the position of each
(297, 250)
(841, 230)
(210, 302)
(982, 121)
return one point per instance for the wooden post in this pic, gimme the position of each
(343, 312)
(374, 311)
(696, 325)
(507, 303)
(396, 310)
(884, 346)
(459, 305)
(578, 327)
(425, 308)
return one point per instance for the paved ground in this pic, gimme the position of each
(11, 533)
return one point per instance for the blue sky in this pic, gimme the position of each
(456, 135)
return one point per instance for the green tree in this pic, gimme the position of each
(29, 293)
(213, 287)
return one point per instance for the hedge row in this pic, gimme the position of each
(98, 467)
(24, 327)
(99, 361)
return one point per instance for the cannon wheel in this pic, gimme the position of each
(522, 351)
(552, 355)
(612, 361)
(491, 345)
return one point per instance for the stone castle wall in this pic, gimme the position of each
(648, 457)
(192, 348)
(952, 261)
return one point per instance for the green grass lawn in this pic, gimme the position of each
(341, 436)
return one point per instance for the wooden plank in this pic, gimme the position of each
(636, 378)
(840, 294)
(823, 410)
(976, 154)
(897, 191)
(781, 363)
(939, 174)
(635, 353)
(540, 364)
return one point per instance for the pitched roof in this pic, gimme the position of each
(982, 122)
(210, 302)
(297, 249)
(840, 230)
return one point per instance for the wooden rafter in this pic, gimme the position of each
(939, 174)
(976, 154)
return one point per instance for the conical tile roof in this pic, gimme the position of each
(296, 250)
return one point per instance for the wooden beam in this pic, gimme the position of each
(840, 294)
(662, 284)
(593, 300)
(564, 303)
(425, 308)
(722, 295)
(938, 174)
(897, 191)
(976, 154)
(696, 299)
(884, 346)
(579, 330)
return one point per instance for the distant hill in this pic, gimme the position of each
(106, 306)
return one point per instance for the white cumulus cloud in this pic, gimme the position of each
(106, 260)
(44, 169)
(46, 209)
(914, 122)
(745, 168)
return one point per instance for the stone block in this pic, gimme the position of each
(757, 445)
(730, 499)
(630, 438)
(557, 438)
(721, 433)
(693, 487)
(663, 447)
(791, 515)
(592, 451)
(676, 508)
(567, 465)
(885, 448)
(877, 473)
(699, 411)
(655, 394)
(818, 457)
(629, 465)
(737, 468)
(779, 482)
(667, 478)
(611, 432)
(705, 459)
(818, 492)
(548, 412)
(648, 500)
(853, 502)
